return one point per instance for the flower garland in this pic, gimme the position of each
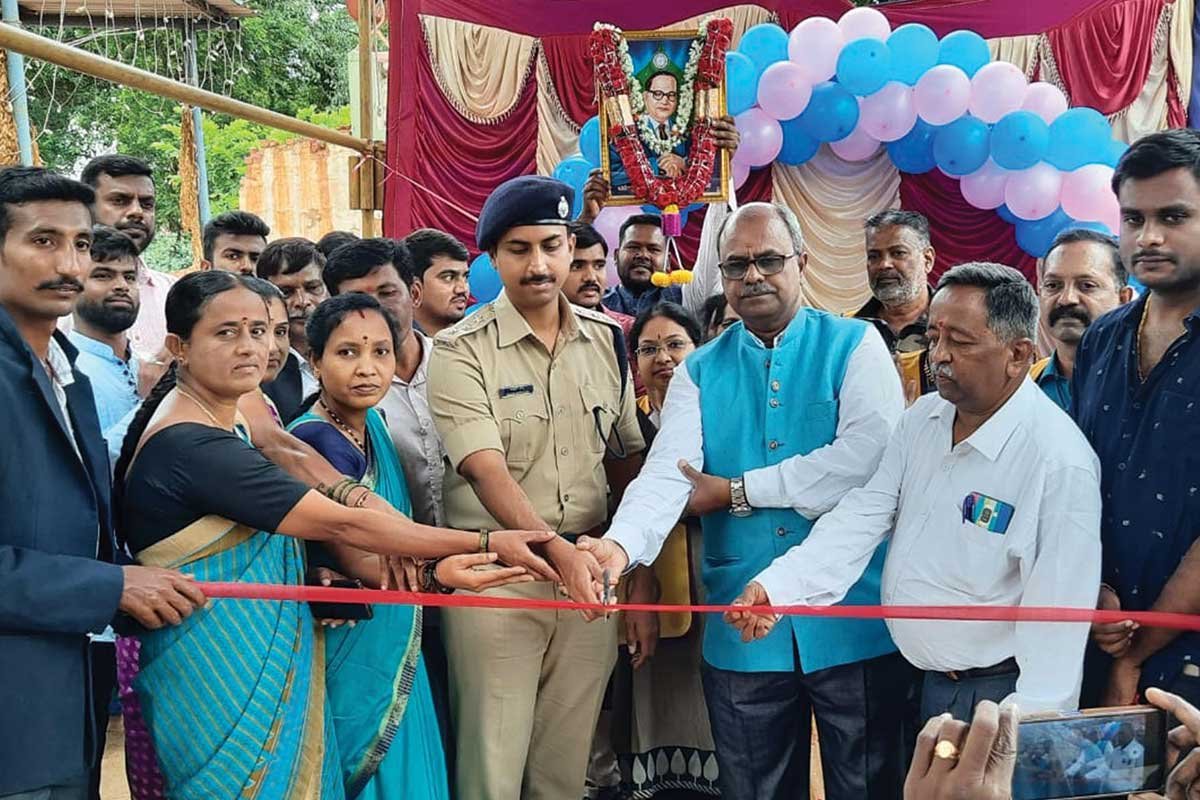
(621, 93)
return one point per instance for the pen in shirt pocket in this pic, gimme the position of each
(968, 508)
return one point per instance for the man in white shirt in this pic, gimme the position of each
(990, 496)
(797, 399)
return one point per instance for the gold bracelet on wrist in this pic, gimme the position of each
(483, 541)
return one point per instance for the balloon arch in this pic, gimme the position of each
(860, 86)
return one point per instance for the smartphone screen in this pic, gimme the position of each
(1095, 753)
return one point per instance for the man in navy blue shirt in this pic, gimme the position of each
(1136, 396)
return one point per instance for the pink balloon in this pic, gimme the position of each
(740, 173)
(863, 22)
(783, 90)
(1033, 193)
(996, 89)
(942, 94)
(762, 138)
(1087, 193)
(1044, 99)
(608, 224)
(984, 188)
(858, 146)
(814, 45)
(888, 114)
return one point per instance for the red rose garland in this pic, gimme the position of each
(666, 193)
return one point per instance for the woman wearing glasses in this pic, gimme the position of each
(661, 726)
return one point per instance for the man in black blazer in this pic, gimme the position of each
(56, 542)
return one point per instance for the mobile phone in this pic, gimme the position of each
(346, 611)
(1102, 752)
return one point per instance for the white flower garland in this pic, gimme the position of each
(647, 128)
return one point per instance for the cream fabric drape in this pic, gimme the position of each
(558, 135)
(743, 17)
(1148, 112)
(481, 70)
(833, 198)
(1019, 50)
(1179, 46)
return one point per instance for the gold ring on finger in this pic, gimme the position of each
(946, 749)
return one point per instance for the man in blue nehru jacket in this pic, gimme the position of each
(817, 394)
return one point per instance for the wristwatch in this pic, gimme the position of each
(738, 505)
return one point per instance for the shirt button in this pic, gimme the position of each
(564, 451)
(1121, 466)
(781, 531)
(774, 402)
(566, 498)
(562, 409)
(774, 445)
(774, 386)
(520, 414)
(1137, 406)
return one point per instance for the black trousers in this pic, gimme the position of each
(761, 724)
(104, 683)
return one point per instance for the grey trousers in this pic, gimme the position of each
(941, 694)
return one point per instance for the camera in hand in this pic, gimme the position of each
(1096, 753)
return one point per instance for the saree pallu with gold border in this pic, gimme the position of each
(380, 701)
(234, 698)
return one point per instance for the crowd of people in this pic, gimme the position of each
(327, 413)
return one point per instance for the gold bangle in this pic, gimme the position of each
(483, 541)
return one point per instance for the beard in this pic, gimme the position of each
(896, 291)
(108, 318)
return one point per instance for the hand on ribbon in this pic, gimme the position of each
(752, 624)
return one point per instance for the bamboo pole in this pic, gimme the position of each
(30, 44)
(366, 100)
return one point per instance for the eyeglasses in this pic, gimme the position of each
(735, 269)
(660, 96)
(674, 347)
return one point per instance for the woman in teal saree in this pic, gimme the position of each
(234, 695)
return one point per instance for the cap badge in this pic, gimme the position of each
(564, 208)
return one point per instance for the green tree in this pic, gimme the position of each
(290, 57)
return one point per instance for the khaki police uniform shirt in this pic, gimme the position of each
(494, 386)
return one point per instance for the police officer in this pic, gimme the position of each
(534, 404)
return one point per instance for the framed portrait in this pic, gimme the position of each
(664, 101)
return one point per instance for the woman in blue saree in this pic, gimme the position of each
(235, 696)
(379, 693)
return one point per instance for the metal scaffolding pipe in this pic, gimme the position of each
(17, 89)
(16, 40)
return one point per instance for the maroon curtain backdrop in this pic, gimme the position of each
(1104, 57)
(571, 72)
(961, 232)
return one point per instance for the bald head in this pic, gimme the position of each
(756, 213)
(762, 255)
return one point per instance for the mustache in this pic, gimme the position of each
(756, 289)
(61, 283)
(942, 371)
(589, 285)
(1073, 311)
(1155, 254)
(535, 279)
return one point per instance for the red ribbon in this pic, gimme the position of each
(327, 594)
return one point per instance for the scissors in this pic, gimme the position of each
(606, 596)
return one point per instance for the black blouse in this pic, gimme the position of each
(187, 471)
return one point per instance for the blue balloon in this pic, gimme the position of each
(1116, 149)
(914, 50)
(864, 66)
(913, 152)
(484, 281)
(589, 141)
(798, 145)
(574, 172)
(1036, 236)
(831, 114)
(1019, 140)
(741, 82)
(962, 146)
(964, 49)
(694, 207)
(764, 44)
(1078, 136)
(1008, 216)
